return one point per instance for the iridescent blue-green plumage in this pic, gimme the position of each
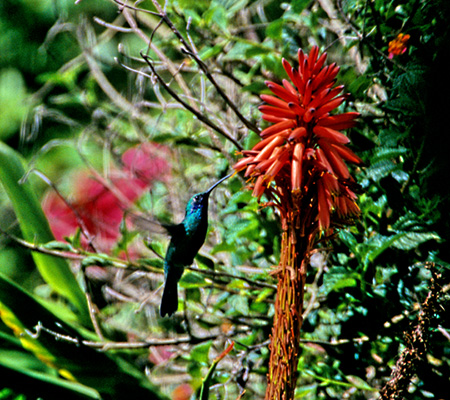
(187, 239)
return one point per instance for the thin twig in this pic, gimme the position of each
(74, 254)
(39, 329)
(74, 63)
(151, 45)
(112, 26)
(111, 92)
(78, 255)
(189, 51)
(199, 115)
(190, 339)
(123, 5)
(224, 274)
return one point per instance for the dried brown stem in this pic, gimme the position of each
(414, 354)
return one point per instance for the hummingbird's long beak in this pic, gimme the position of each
(219, 182)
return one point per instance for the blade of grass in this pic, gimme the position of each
(32, 383)
(34, 225)
(109, 374)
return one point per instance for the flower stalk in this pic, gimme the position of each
(285, 343)
(300, 165)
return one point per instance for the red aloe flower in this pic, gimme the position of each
(303, 154)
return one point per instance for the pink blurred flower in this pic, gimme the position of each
(99, 208)
(148, 162)
(160, 354)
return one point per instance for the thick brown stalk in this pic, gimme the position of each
(285, 340)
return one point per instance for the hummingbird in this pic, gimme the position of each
(187, 238)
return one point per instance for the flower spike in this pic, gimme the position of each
(303, 152)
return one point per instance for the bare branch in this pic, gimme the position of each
(198, 114)
(39, 329)
(188, 50)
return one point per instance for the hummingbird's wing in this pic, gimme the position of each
(174, 230)
(145, 223)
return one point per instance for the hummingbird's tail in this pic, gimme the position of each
(169, 300)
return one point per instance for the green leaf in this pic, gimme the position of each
(387, 153)
(338, 278)
(101, 260)
(411, 240)
(55, 245)
(35, 229)
(255, 87)
(307, 391)
(275, 29)
(13, 104)
(240, 304)
(359, 383)
(192, 280)
(200, 353)
(263, 295)
(217, 15)
(411, 231)
(299, 5)
(255, 51)
(346, 236)
(237, 52)
(108, 374)
(384, 161)
(377, 244)
(205, 261)
(209, 52)
(381, 169)
(241, 227)
(359, 85)
(35, 383)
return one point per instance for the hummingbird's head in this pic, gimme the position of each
(200, 200)
(197, 202)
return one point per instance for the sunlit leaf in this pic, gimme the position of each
(200, 352)
(13, 104)
(411, 240)
(104, 372)
(35, 229)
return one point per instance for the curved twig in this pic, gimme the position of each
(198, 114)
(187, 49)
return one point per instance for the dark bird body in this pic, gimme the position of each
(186, 240)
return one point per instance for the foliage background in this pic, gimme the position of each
(68, 103)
